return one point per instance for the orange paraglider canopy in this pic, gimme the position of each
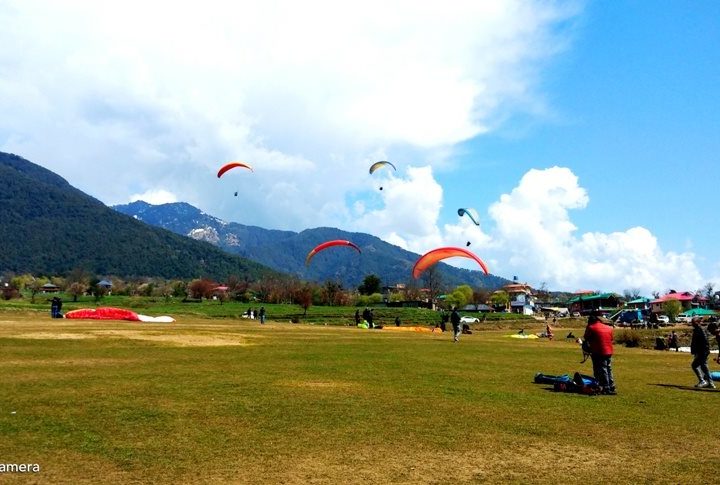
(432, 257)
(232, 165)
(328, 244)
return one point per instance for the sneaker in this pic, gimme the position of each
(701, 384)
(709, 385)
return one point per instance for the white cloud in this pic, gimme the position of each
(150, 94)
(155, 197)
(410, 209)
(536, 237)
(154, 96)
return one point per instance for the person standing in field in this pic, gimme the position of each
(455, 320)
(673, 341)
(397, 321)
(357, 317)
(700, 349)
(599, 337)
(714, 330)
(262, 315)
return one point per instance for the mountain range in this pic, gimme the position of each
(48, 227)
(285, 251)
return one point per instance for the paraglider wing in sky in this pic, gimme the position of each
(469, 213)
(328, 244)
(377, 165)
(232, 165)
(432, 257)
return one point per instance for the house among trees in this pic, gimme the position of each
(105, 285)
(49, 288)
(686, 299)
(397, 290)
(641, 303)
(602, 303)
(521, 296)
(220, 292)
(480, 307)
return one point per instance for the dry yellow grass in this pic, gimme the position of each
(202, 401)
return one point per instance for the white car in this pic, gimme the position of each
(682, 318)
(469, 320)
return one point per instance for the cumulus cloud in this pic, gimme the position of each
(535, 236)
(159, 94)
(529, 232)
(410, 209)
(147, 99)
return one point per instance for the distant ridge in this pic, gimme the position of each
(286, 250)
(49, 227)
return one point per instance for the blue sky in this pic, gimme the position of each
(585, 134)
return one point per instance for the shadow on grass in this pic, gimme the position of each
(686, 388)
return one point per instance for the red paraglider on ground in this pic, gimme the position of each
(103, 313)
(430, 258)
(328, 244)
(112, 313)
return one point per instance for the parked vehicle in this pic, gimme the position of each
(663, 320)
(467, 319)
(682, 318)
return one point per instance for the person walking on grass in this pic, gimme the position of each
(262, 315)
(700, 349)
(599, 337)
(455, 320)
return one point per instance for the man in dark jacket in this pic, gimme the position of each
(455, 320)
(599, 336)
(700, 348)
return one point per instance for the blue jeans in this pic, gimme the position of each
(602, 370)
(700, 367)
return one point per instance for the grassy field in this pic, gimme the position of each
(230, 401)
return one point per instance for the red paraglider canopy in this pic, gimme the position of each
(232, 165)
(432, 257)
(328, 244)
(103, 313)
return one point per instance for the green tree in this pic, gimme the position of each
(500, 299)
(35, 286)
(466, 291)
(672, 308)
(459, 297)
(370, 285)
(375, 298)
